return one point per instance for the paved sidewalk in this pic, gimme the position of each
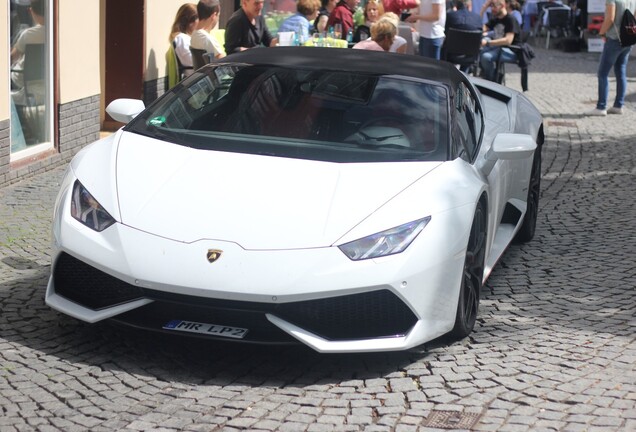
(554, 348)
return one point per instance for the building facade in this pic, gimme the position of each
(63, 61)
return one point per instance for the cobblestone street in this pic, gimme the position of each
(554, 348)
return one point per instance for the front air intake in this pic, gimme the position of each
(85, 285)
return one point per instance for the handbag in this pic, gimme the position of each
(627, 30)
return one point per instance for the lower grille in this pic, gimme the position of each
(357, 316)
(366, 315)
(157, 314)
(92, 288)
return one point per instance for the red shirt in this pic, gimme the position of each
(343, 15)
(396, 6)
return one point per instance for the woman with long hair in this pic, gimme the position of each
(372, 12)
(185, 22)
(320, 23)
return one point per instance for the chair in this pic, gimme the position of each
(33, 74)
(524, 55)
(541, 10)
(558, 21)
(198, 59)
(462, 47)
(362, 32)
(405, 31)
(181, 67)
(175, 69)
(541, 6)
(521, 51)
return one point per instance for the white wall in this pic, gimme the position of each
(159, 17)
(78, 49)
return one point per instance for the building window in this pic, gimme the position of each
(29, 35)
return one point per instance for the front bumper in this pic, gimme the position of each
(316, 296)
(367, 315)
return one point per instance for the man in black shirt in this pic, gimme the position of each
(246, 28)
(503, 31)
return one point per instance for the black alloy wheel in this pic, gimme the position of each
(473, 274)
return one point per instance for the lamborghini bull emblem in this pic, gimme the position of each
(213, 255)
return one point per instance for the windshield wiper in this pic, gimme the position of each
(369, 146)
(380, 138)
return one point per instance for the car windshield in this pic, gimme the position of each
(322, 115)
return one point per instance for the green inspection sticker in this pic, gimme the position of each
(157, 121)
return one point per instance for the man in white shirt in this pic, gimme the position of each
(431, 19)
(208, 11)
(31, 36)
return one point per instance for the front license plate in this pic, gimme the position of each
(205, 328)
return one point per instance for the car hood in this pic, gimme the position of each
(258, 202)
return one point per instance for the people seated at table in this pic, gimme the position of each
(185, 23)
(343, 14)
(246, 28)
(300, 22)
(320, 23)
(503, 31)
(372, 11)
(208, 11)
(399, 43)
(382, 35)
(462, 17)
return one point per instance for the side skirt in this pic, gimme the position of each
(505, 233)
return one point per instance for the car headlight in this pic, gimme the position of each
(389, 242)
(87, 210)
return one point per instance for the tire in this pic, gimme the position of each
(529, 225)
(473, 273)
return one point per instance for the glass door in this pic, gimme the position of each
(31, 83)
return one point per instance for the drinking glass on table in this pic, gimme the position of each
(337, 31)
(319, 39)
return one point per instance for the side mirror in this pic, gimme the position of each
(509, 146)
(124, 110)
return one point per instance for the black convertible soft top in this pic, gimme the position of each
(355, 61)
